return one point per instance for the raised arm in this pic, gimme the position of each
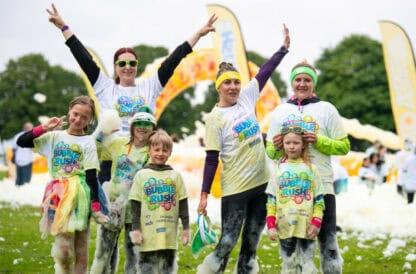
(172, 61)
(267, 68)
(26, 139)
(78, 50)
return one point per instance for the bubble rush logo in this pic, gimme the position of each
(128, 106)
(246, 128)
(295, 187)
(160, 192)
(66, 157)
(125, 170)
(307, 123)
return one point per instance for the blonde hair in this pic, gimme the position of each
(161, 137)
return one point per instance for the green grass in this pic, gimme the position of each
(3, 174)
(19, 229)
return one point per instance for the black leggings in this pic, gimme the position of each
(247, 211)
(410, 196)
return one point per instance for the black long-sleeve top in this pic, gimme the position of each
(92, 71)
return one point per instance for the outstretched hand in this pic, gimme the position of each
(52, 123)
(208, 27)
(54, 17)
(286, 41)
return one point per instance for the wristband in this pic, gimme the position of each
(316, 222)
(64, 28)
(95, 206)
(271, 222)
(37, 131)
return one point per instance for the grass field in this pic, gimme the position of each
(23, 251)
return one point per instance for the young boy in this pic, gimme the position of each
(158, 199)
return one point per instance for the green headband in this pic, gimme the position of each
(305, 70)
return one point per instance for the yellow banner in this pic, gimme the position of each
(400, 67)
(228, 40)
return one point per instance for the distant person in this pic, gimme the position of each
(367, 175)
(409, 177)
(22, 158)
(401, 157)
(373, 149)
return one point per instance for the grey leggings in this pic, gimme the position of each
(106, 252)
(331, 260)
(247, 211)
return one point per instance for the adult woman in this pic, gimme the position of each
(324, 133)
(122, 93)
(232, 132)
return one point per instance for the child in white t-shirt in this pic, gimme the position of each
(72, 195)
(295, 204)
(158, 200)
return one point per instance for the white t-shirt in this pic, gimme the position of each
(235, 133)
(68, 155)
(23, 156)
(366, 174)
(322, 118)
(127, 100)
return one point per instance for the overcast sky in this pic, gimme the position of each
(107, 25)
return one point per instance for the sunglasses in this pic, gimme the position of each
(141, 124)
(123, 63)
(293, 129)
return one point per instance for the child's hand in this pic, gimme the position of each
(51, 124)
(312, 231)
(100, 218)
(272, 232)
(186, 234)
(136, 237)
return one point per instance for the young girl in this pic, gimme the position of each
(129, 154)
(158, 200)
(295, 204)
(73, 164)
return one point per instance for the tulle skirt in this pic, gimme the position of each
(65, 206)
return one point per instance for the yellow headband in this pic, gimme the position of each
(226, 76)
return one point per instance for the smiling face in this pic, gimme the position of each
(141, 132)
(302, 86)
(126, 73)
(79, 117)
(159, 153)
(293, 145)
(229, 91)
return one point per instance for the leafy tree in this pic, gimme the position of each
(22, 79)
(353, 78)
(276, 78)
(147, 54)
